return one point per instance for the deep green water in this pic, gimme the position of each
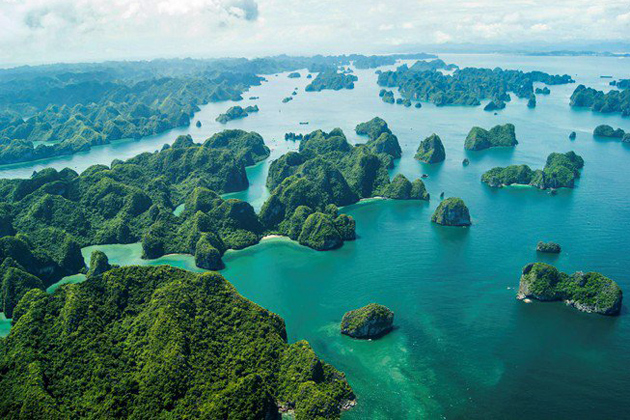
(464, 347)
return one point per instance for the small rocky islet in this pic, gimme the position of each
(548, 247)
(235, 113)
(588, 292)
(369, 322)
(452, 212)
(431, 150)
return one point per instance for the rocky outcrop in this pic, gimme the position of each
(543, 91)
(319, 232)
(373, 128)
(498, 136)
(431, 150)
(236, 112)
(401, 189)
(99, 263)
(207, 255)
(531, 103)
(386, 143)
(494, 105)
(548, 247)
(371, 321)
(605, 130)
(452, 212)
(588, 292)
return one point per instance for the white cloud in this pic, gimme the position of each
(64, 30)
(441, 37)
(540, 27)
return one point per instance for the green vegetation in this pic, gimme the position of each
(560, 171)
(498, 136)
(469, 86)
(548, 247)
(621, 83)
(124, 111)
(598, 101)
(431, 150)
(387, 96)
(159, 342)
(294, 75)
(401, 189)
(373, 128)
(588, 292)
(370, 321)
(48, 111)
(235, 113)
(373, 61)
(543, 91)
(331, 80)
(35, 260)
(452, 212)
(133, 201)
(381, 139)
(98, 264)
(326, 171)
(494, 105)
(605, 130)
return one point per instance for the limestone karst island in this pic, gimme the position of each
(266, 210)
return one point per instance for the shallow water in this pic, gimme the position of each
(463, 347)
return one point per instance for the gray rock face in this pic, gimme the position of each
(371, 321)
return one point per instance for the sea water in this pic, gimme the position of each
(463, 346)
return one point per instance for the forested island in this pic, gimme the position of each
(426, 81)
(63, 109)
(373, 61)
(431, 150)
(381, 140)
(327, 172)
(153, 342)
(133, 201)
(610, 102)
(587, 292)
(560, 171)
(498, 136)
(331, 80)
(606, 131)
(369, 322)
(236, 112)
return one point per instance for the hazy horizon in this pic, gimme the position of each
(52, 31)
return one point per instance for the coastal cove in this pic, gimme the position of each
(463, 346)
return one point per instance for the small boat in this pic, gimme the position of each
(303, 122)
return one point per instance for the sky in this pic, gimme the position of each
(46, 31)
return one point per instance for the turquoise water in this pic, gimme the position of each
(464, 347)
